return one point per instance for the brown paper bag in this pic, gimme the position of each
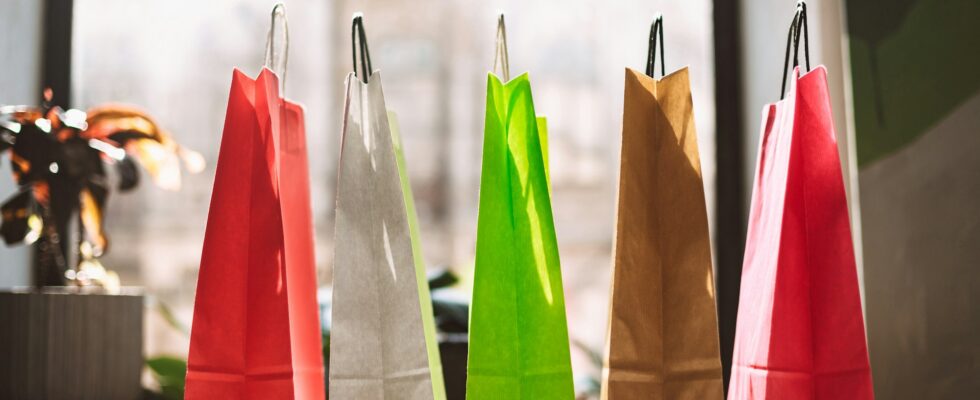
(663, 330)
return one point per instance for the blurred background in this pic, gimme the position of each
(905, 96)
(175, 58)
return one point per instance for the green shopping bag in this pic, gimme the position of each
(518, 345)
(421, 280)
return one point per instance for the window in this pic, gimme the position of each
(175, 60)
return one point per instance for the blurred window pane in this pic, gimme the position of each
(175, 59)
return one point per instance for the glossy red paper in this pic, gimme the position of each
(800, 332)
(256, 330)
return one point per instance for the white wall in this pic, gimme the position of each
(20, 30)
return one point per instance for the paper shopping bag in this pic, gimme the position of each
(518, 344)
(382, 343)
(256, 330)
(663, 328)
(800, 329)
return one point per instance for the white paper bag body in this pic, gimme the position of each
(382, 343)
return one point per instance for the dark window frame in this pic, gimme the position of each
(729, 235)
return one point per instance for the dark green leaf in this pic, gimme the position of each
(169, 372)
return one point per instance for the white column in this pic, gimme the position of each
(20, 28)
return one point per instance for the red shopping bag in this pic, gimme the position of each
(256, 331)
(800, 331)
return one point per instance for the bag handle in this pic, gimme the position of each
(656, 29)
(500, 56)
(799, 23)
(275, 60)
(358, 39)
